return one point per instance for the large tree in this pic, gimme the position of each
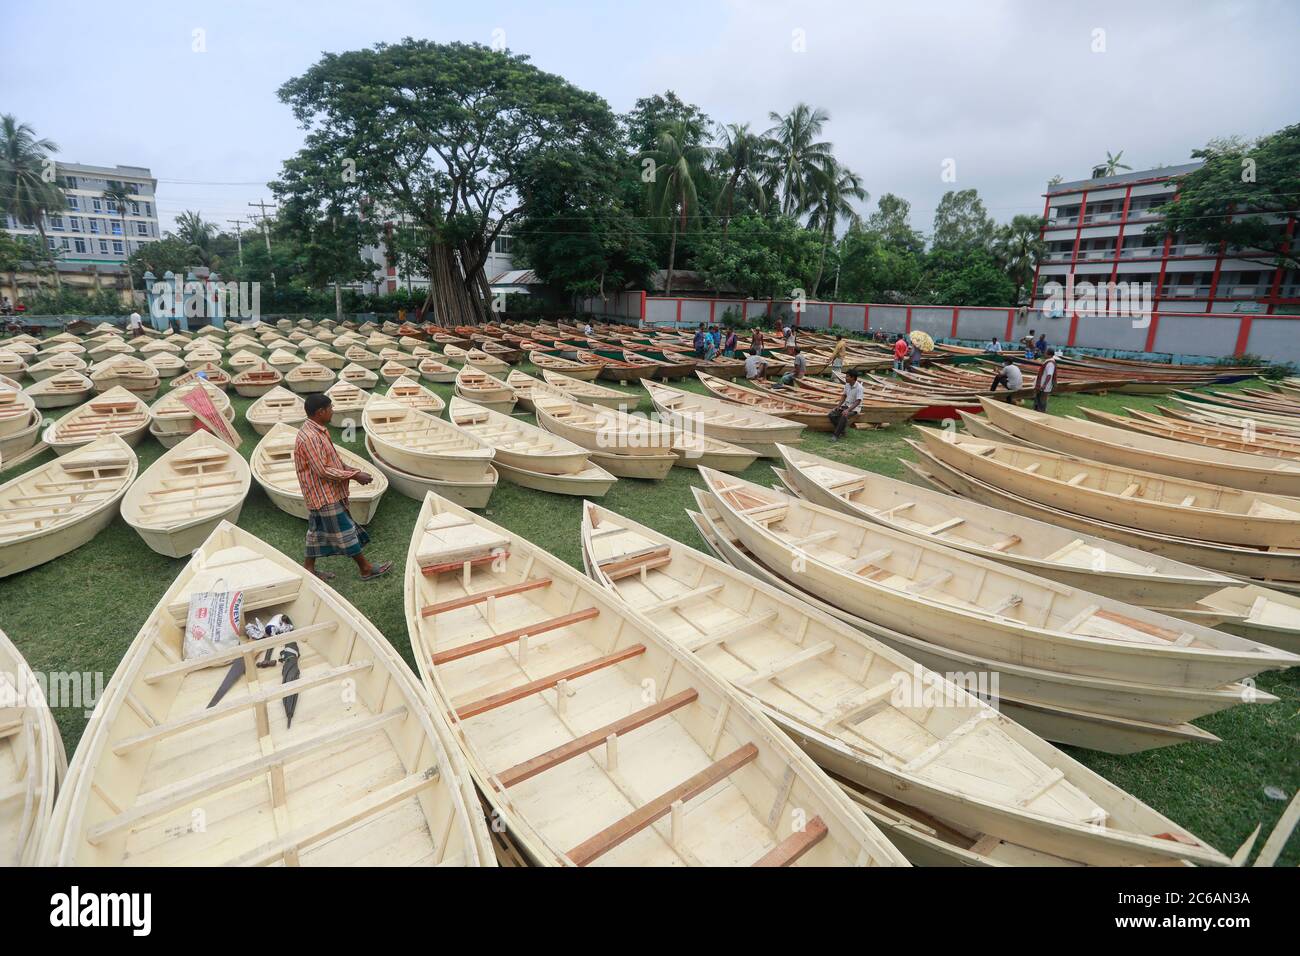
(891, 222)
(961, 222)
(742, 161)
(837, 188)
(797, 155)
(673, 190)
(764, 257)
(652, 113)
(1017, 247)
(1240, 177)
(28, 188)
(454, 137)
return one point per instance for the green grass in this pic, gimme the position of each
(81, 611)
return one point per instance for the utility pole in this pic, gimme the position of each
(239, 238)
(261, 204)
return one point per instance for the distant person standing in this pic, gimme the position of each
(1041, 345)
(1045, 381)
(850, 404)
(1027, 343)
(756, 341)
(1010, 378)
(699, 341)
(913, 356)
(838, 353)
(134, 325)
(729, 349)
(789, 336)
(900, 353)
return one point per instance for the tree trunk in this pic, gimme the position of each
(672, 259)
(821, 262)
(45, 250)
(449, 297)
(338, 303)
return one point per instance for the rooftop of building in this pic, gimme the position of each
(116, 172)
(1123, 179)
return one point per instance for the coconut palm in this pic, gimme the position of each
(742, 159)
(677, 163)
(796, 156)
(118, 194)
(1017, 247)
(837, 186)
(197, 234)
(1111, 166)
(27, 188)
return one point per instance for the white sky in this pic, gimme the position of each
(1012, 91)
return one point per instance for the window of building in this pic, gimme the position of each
(74, 223)
(112, 205)
(65, 244)
(117, 227)
(103, 246)
(97, 204)
(135, 208)
(117, 247)
(50, 240)
(142, 229)
(79, 245)
(72, 202)
(148, 211)
(56, 222)
(70, 181)
(94, 224)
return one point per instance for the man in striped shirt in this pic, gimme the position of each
(324, 480)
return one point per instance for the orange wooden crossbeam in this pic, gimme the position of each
(795, 845)
(468, 600)
(509, 637)
(494, 701)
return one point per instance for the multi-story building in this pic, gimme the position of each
(92, 229)
(1097, 230)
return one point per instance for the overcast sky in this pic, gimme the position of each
(1013, 92)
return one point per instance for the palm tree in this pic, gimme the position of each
(197, 234)
(837, 186)
(26, 190)
(118, 194)
(796, 156)
(672, 191)
(742, 158)
(1111, 166)
(1017, 247)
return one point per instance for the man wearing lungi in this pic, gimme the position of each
(324, 481)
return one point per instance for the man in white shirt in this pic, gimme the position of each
(134, 325)
(1010, 378)
(586, 330)
(842, 415)
(995, 346)
(1045, 381)
(754, 366)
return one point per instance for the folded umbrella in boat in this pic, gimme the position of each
(198, 400)
(289, 672)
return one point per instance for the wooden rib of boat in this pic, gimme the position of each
(1101, 714)
(1115, 446)
(856, 706)
(348, 402)
(115, 412)
(519, 444)
(434, 370)
(368, 777)
(424, 445)
(32, 759)
(411, 393)
(484, 389)
(359, 376)
(978, 607)
(1131, 575)
(496, 623)
(15, 411)
(256, 381)
(276, 406)
(579, 371)
(208, 372)
(273, 469)
(58, 507)
(473, 493)
(323, 356)
(589, 393)
(735, 424)
(55, 365)
(308, 378)
(181, 498)
(1213, 436)
(1170, 506)
(61, 390)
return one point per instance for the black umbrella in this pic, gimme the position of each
(289, 672)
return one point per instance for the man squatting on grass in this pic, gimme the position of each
(324, 480)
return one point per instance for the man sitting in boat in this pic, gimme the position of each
(1011, 378)
(842, 415)
(799, 369)
(755, 366)
(324, 480)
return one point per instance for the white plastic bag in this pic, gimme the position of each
(214, 623)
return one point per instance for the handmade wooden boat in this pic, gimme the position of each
(16, 409)
(1115, 446)
(370, 776)
(483, 389)
(116, 412)
(472, 493)
(1131, 575)
(589, 393)
(765, 402)
(424, 445)
(308, 378)
(519, 444)
(601, 429)
(1259, 614)
(244, 343)
(1098, 713)
(181, 498)
(654, 467)
(358, 355)
(392, 371)
(323, 356)
(209, 372)
(61, 390)
(1171, 506)
(433, 370)
(409, 392)
(245, 359)
(378, 340)
(579, 371)
(348, 402)
(55, 365)
(124, 371)
(396, 356)
(474, 590)
(276, 406)
(114, 346)
(592, 481)
(32, 760)
(1212, 436)
(872, 715)
(171, 420)
(273, 469)
(11, 363)
(284, 361)
(200, 356)
(694, 450)
(56, 347)
(167, 365)
(57, 507)
(616, 370)
(735, 424)
(356, 375)
(24, 443)
(256, 381)
(1248, 422)
(975, 606)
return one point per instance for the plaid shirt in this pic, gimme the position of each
(321, 473)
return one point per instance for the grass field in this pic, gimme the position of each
(80, 612)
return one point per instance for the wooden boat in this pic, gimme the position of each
(735, 424)
(1124, 496)
(242, 343)
(589, 393)
(309, 377)
(273, 469)
(72, 347)
(181, 498)
(484, 389)
(776, 406)
(171, 420)
(356, 375)
(11, 363)
(24, 443)
(975, 606)
(860, 708)
(370, 776)
(1259, 614)
(16, 409)
(1212, 436)
(1275, 568)
(348, 403)
(245, 359)
(392, 371)
(55, 365)
(1097, 713)
(378, 340)
(284, 361)
(116, 412)
(602, 429)
(694, 450)
(201, 356)
(1094, 564)
(32, 760)
(1115, 446)
(57, 507)
(210, 373)
(579, 371)
(592, 481)
(114, 346)
(645, 467)
(61, 390)
(519, 444)
(167, 365)
(123, 371)
(424, 445)
(433, 370)
(472, 493)
(1222, 416)
(616, 370)
(256, 381)
(276, 406)
(397, 357)
(468, 631)
(412, 394)
(323, 356)
(358, 355)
